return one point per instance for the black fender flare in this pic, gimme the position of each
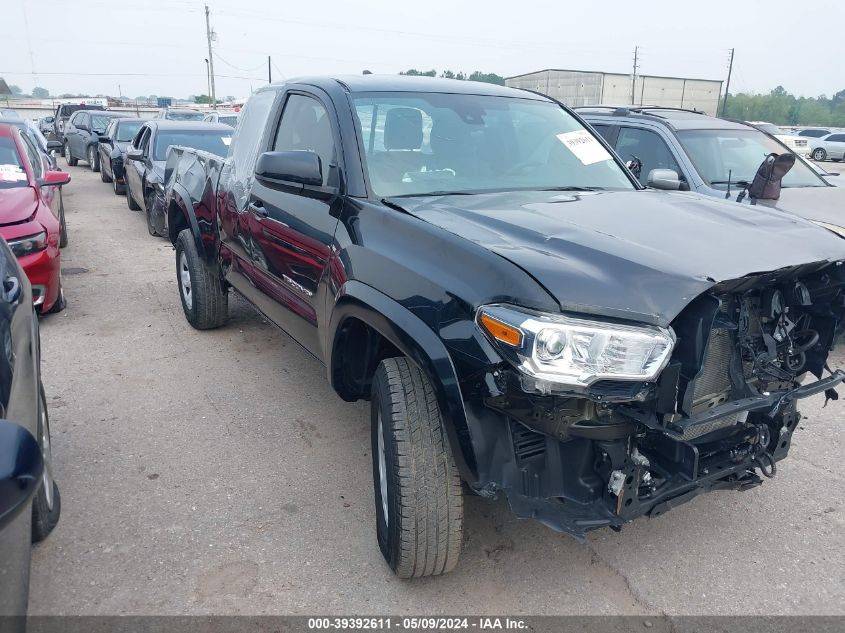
(178, 194)
(416, 340)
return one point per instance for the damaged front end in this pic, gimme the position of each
(593, 424)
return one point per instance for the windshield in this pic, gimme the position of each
(718, 154)
(431, 143)
(126, 130)
(213, 141)
(99, 123)
(768, 128)
(12, 173)
(184, 115)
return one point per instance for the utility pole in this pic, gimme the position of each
(269, 71)
(207, 78)
(208, 34)
(728, 84)
(634, 76)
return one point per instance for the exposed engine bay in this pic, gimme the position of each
(720, 415)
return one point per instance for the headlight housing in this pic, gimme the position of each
(28, 245)
(558, 353)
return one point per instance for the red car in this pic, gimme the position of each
(29, 215)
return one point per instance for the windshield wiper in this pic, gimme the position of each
(729, 182)
(572, 188)
(435, 193)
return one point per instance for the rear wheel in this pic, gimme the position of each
(819, 154)
(47, 505)
(418, 494)
(205, 300)
(71, 161)
(119, 190)
(93, 158)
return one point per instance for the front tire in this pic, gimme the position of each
(62, 226)
(93, 159)
(205, 301)
(71, 161)
(103, 176)
(133, 206)
(819, 154)
(47, 505)
(418, 493)
(148, 203)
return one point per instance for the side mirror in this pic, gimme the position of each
(105, 139)
(134, 154)
(54, 146)
(21, 466)
(665, 179)
(54, 179)
(300, 167)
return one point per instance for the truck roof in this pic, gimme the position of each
(405, 83)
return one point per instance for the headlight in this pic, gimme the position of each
(28, 245)
(840, 231)
(556, 351)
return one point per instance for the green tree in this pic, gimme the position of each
(40, 93)
(202, 99)
(413, 72)
(16, 90)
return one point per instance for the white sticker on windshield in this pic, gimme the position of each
(227, 140)
(12, 173)
(585, 147)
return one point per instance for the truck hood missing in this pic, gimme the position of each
(640, 255)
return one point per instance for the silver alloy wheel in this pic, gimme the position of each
(67, 152)
(185, 281)
(819, 154)
(91, 158)
(47, 455)
(382, 468)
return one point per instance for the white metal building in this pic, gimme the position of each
(578, 88)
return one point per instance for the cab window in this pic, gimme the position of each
(647, 146)
(305, 126)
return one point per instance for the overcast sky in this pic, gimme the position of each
(159, 46)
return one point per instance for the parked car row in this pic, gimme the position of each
(520, 311)
(30, 505)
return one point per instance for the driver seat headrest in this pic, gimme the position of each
(403, 129)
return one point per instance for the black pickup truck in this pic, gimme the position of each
(520, 312)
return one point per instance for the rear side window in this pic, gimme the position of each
(648, 147)
(602, 129)
(837, 138)
(305, 126)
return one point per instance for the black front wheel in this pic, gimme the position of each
(62, 225)
(133, 206)
(205, 300)
(93, 159)
(418, 493)
(819, 154)
(47, 505)
(149, 200)
(103, 175)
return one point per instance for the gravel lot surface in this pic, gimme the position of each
(216, 472)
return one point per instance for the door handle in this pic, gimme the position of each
(11, 289)
(257, 207)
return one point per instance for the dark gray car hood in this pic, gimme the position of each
(823, 204)
(641, 255)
